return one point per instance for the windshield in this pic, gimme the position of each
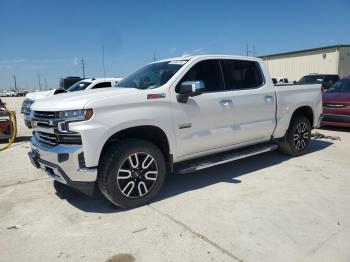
(82, 85)
(152, 75)
(341, 86)
(311, 79)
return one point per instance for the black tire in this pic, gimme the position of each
(297, 137)
(119, 174)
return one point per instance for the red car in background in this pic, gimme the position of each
(336, 104)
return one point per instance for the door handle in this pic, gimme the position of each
(268, 98)
(226, 102)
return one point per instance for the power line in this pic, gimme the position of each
(248, 51)
(154, 57)
(103, 62)
(14, 80)
(39, 80)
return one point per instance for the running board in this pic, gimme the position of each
(226, 157)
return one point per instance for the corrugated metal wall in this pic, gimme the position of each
(295, 65)
(344, 61)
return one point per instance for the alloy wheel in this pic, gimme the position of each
(137, 175)
(301, 136)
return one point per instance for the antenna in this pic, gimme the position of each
(45, 84)
(82, 63)
(247, 50)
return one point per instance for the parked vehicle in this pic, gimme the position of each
(67, 82)
(10, 93)
(336, 104)
(178, 115)
(86, 84)
(281, 80)
(326, 80)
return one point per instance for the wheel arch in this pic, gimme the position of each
(305, 111)
(150, 133)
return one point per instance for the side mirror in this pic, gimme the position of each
(190, 88)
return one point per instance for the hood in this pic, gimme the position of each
(39, 95)
(77, 100)
(336, 97)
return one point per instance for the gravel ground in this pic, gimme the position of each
(264, 208)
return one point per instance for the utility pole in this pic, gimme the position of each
(45, 84)
(154, 57)
(103, 62)
(14, 80)
(82, 63)
(39, 79)
(247, 50)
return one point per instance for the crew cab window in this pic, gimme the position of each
(240, 74)
(209, 72)
(102, 85)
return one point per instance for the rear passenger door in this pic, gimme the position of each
(253, 101)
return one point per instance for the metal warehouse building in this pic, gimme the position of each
(324, 60)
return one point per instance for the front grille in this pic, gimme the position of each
(50, 140)
(44, 124)
(44, 115)
(335, 105)
(336, 118)
(49, 134)
(47, 138)
(74, 139)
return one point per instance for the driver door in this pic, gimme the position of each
(205, 122)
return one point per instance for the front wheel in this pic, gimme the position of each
(131, 173)
(297, 137)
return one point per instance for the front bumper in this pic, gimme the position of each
(64, 164)
(336, 120)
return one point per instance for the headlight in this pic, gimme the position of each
(67, 117)
(75, 115)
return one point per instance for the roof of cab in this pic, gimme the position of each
(190, 57)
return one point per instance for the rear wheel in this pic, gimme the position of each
(131, 173)
(297, 137)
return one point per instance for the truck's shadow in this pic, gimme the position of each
(178, 184)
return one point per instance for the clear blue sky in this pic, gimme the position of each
(49, 36)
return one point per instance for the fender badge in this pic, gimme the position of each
(156, 96)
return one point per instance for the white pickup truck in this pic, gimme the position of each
(177, 115)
